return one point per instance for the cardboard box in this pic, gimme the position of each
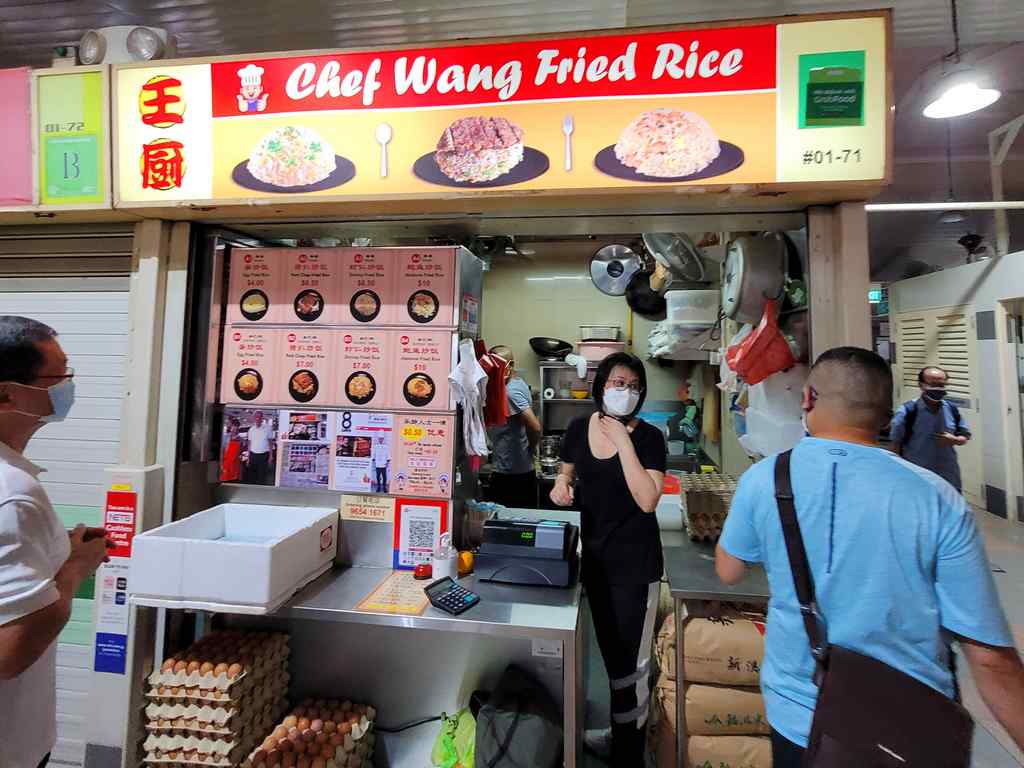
(243, 558)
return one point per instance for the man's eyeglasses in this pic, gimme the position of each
(632, 386)
(69, 373)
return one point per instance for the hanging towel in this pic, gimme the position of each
(469, 385)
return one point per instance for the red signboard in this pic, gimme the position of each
(679, 61)
(119, 521)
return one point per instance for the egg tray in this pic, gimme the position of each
(240, 721)
(190, 749)
(176, 701)
(352, 754)
(221, 682)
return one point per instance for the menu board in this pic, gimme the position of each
(423, 360)
(425, 288)
(254, 290)
(250, 365)
(367, 286)
(310, 286)
(423, 447)
(365, 357)
(307, 368)
(362, 456)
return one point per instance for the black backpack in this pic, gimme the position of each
(908, 422)
(519, 726)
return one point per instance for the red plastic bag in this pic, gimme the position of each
(763, 352)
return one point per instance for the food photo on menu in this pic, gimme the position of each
(305, 450)
(362, 460)
(248, 451)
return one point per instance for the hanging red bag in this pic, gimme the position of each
(764, 351)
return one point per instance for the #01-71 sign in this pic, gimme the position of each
(798, 101)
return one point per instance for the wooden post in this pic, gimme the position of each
(840, 276)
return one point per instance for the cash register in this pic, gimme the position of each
(530, 552)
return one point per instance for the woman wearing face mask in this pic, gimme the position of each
(620, 463)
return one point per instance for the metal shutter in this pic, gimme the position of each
(76, 282)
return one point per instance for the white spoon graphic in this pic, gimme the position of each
(568, 124)
(383, 134)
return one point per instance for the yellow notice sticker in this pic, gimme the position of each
(374, 509)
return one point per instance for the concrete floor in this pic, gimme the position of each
(993, 748)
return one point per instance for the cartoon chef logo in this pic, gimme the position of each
(251, 97)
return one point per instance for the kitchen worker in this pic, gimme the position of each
(42, 565)
(514, 480)
(380, 456)
(927, 431)
(261, 442)
(897, 563)
(619, 461)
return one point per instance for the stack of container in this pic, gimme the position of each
(706, 503)
(212, 704)
(319, 734)
(724, 710)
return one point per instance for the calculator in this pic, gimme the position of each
(450, 597)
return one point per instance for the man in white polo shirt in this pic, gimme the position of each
(41, 565)
(261, 439)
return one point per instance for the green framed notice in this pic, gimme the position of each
(832, 89)
(72, 138)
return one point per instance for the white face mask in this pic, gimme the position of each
(620, 402)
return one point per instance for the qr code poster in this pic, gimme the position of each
(419, 524)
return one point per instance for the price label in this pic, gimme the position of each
(412, 433)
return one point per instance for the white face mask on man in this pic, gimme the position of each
(620, 402)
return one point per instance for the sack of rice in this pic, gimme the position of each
(663, 739)
(729, 752)
(726, 649)
(715, 710)
(665, 647)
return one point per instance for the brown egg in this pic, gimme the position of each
(205, 668)
(327, 751)
(294, 733)
(299, 712)
(193, 666)
(330, 727)
(308, 736)
(274, 757)
(168, 665)
(303, 724)
(354, 719)
(338, 716)
(302, 762)
(269, 743)
(281, 732)
(317, 725)
(234, 670)
(336, 740)
(359, 709)
(180, 666)
(333, 703)
(346, 706)
(321, 738)
(286, 745)
(290, 722)
(345, 728)
(220, 669)
(318, 762)
(312, 714)
(259, 757)
(288, 760)
(301, 747)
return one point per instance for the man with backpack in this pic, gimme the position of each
(927, 431)
(877, 564)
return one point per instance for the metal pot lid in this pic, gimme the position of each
(612, 267)
(677, 252)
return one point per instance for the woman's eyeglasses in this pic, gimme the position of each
(632, 386)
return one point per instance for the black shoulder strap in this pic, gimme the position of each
(956, 419)
(801, 570)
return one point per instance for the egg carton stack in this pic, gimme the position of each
(706, 504)
(211, 704)
(319, 734)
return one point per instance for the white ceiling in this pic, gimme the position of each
(29, 29)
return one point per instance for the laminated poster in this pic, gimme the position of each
(305, 450)
(248, 448)
(362, 457)
(423, 360)
(255, 286)
(307, 366)
(419, 524)
(250, 365)
(426, 286)
(364, 363)
(423, 447)
(367, 285)
(310, 286)
(368, 509)
(398, 593)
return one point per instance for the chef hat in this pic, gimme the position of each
(251, 75)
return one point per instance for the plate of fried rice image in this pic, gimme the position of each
(668, 145)
(480, 152)
(293, 159)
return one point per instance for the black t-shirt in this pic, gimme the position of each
(621, 543)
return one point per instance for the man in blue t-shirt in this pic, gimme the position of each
(927, 431)
(897, 562)
(514, 479)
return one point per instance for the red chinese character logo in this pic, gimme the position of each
(162, 164)
(161, 103)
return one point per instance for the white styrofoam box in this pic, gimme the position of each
(695, 307)
(246, 558)
(669, 512)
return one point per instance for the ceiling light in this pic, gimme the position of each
(144, 44)
(960, 93)
(92, 48)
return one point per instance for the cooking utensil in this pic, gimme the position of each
(549, 348)
(568, 125)
(642, 299)
(678, 253)
(612, 267)
(384, 134)
(755, 271)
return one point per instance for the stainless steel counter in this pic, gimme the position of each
(690, 570)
